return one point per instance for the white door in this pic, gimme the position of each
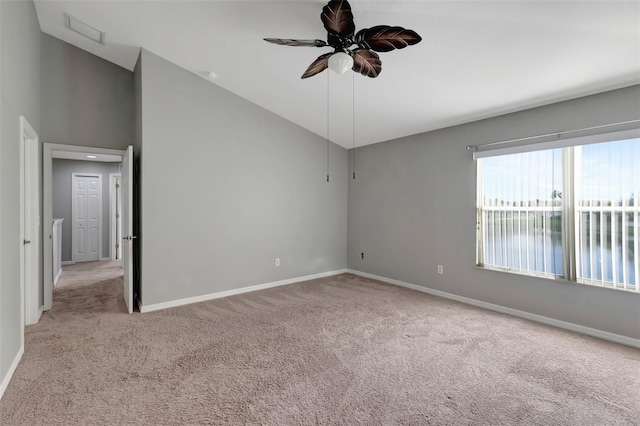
(118, 218)
(86, 215)
(126, 177)
(115, 216)
(30, 221)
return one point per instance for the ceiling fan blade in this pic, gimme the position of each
(338, 19)
(366, 62)
(317, 66)
(296, 42)
(384, 38)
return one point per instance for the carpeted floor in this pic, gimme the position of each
(88, 273)
(340, 350)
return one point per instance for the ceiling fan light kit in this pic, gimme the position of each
(340, 62)
(342, 37)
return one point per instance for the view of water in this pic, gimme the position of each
(528, 252)
(598, 265)
(545, 255)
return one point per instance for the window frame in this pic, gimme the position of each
(570, 215)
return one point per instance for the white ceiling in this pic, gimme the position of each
(478, 59)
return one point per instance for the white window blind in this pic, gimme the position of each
(570, 212)
(607, 209)
(520, 212)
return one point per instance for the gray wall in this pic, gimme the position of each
(227, 187)
(86, 100)
(62, 171)
(412, 207)
(20, 95)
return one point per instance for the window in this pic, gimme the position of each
(571, 212)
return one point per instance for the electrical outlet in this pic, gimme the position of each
(440, 269)
(277, 261)
(362, 256)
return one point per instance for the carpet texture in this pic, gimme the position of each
(87, 273)
(339, 350)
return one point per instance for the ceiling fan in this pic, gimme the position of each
(338, 21)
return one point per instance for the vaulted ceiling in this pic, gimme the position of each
(477, 59)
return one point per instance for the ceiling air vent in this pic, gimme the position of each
(84, 29)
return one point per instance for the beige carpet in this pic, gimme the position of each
(87, 273)
(340, 350)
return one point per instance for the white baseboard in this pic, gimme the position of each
(605, 335)
(31, 321)
(6, 379)
(104, 259)
(57, 277)
(67, 262)
(211, 296)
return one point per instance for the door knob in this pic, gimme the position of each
(25, 242)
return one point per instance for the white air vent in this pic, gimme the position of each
(84, 29)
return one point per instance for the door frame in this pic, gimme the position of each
(30, 228)
(115, 215)
(74, 212)
(127, 224)
(51, 151)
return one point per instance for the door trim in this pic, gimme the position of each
(30, 228)
(114, 203)
(51, 151)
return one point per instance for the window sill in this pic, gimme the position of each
(550, 277)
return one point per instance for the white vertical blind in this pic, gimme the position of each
(572, 212)
(607, 206)
(520, 212)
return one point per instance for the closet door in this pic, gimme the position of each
(86, 217)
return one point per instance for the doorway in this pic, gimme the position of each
(72, 152)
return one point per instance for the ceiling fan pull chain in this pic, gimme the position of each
(353, 122)
(327, 127)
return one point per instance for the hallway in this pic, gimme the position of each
(86, 287)
(88, 273)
